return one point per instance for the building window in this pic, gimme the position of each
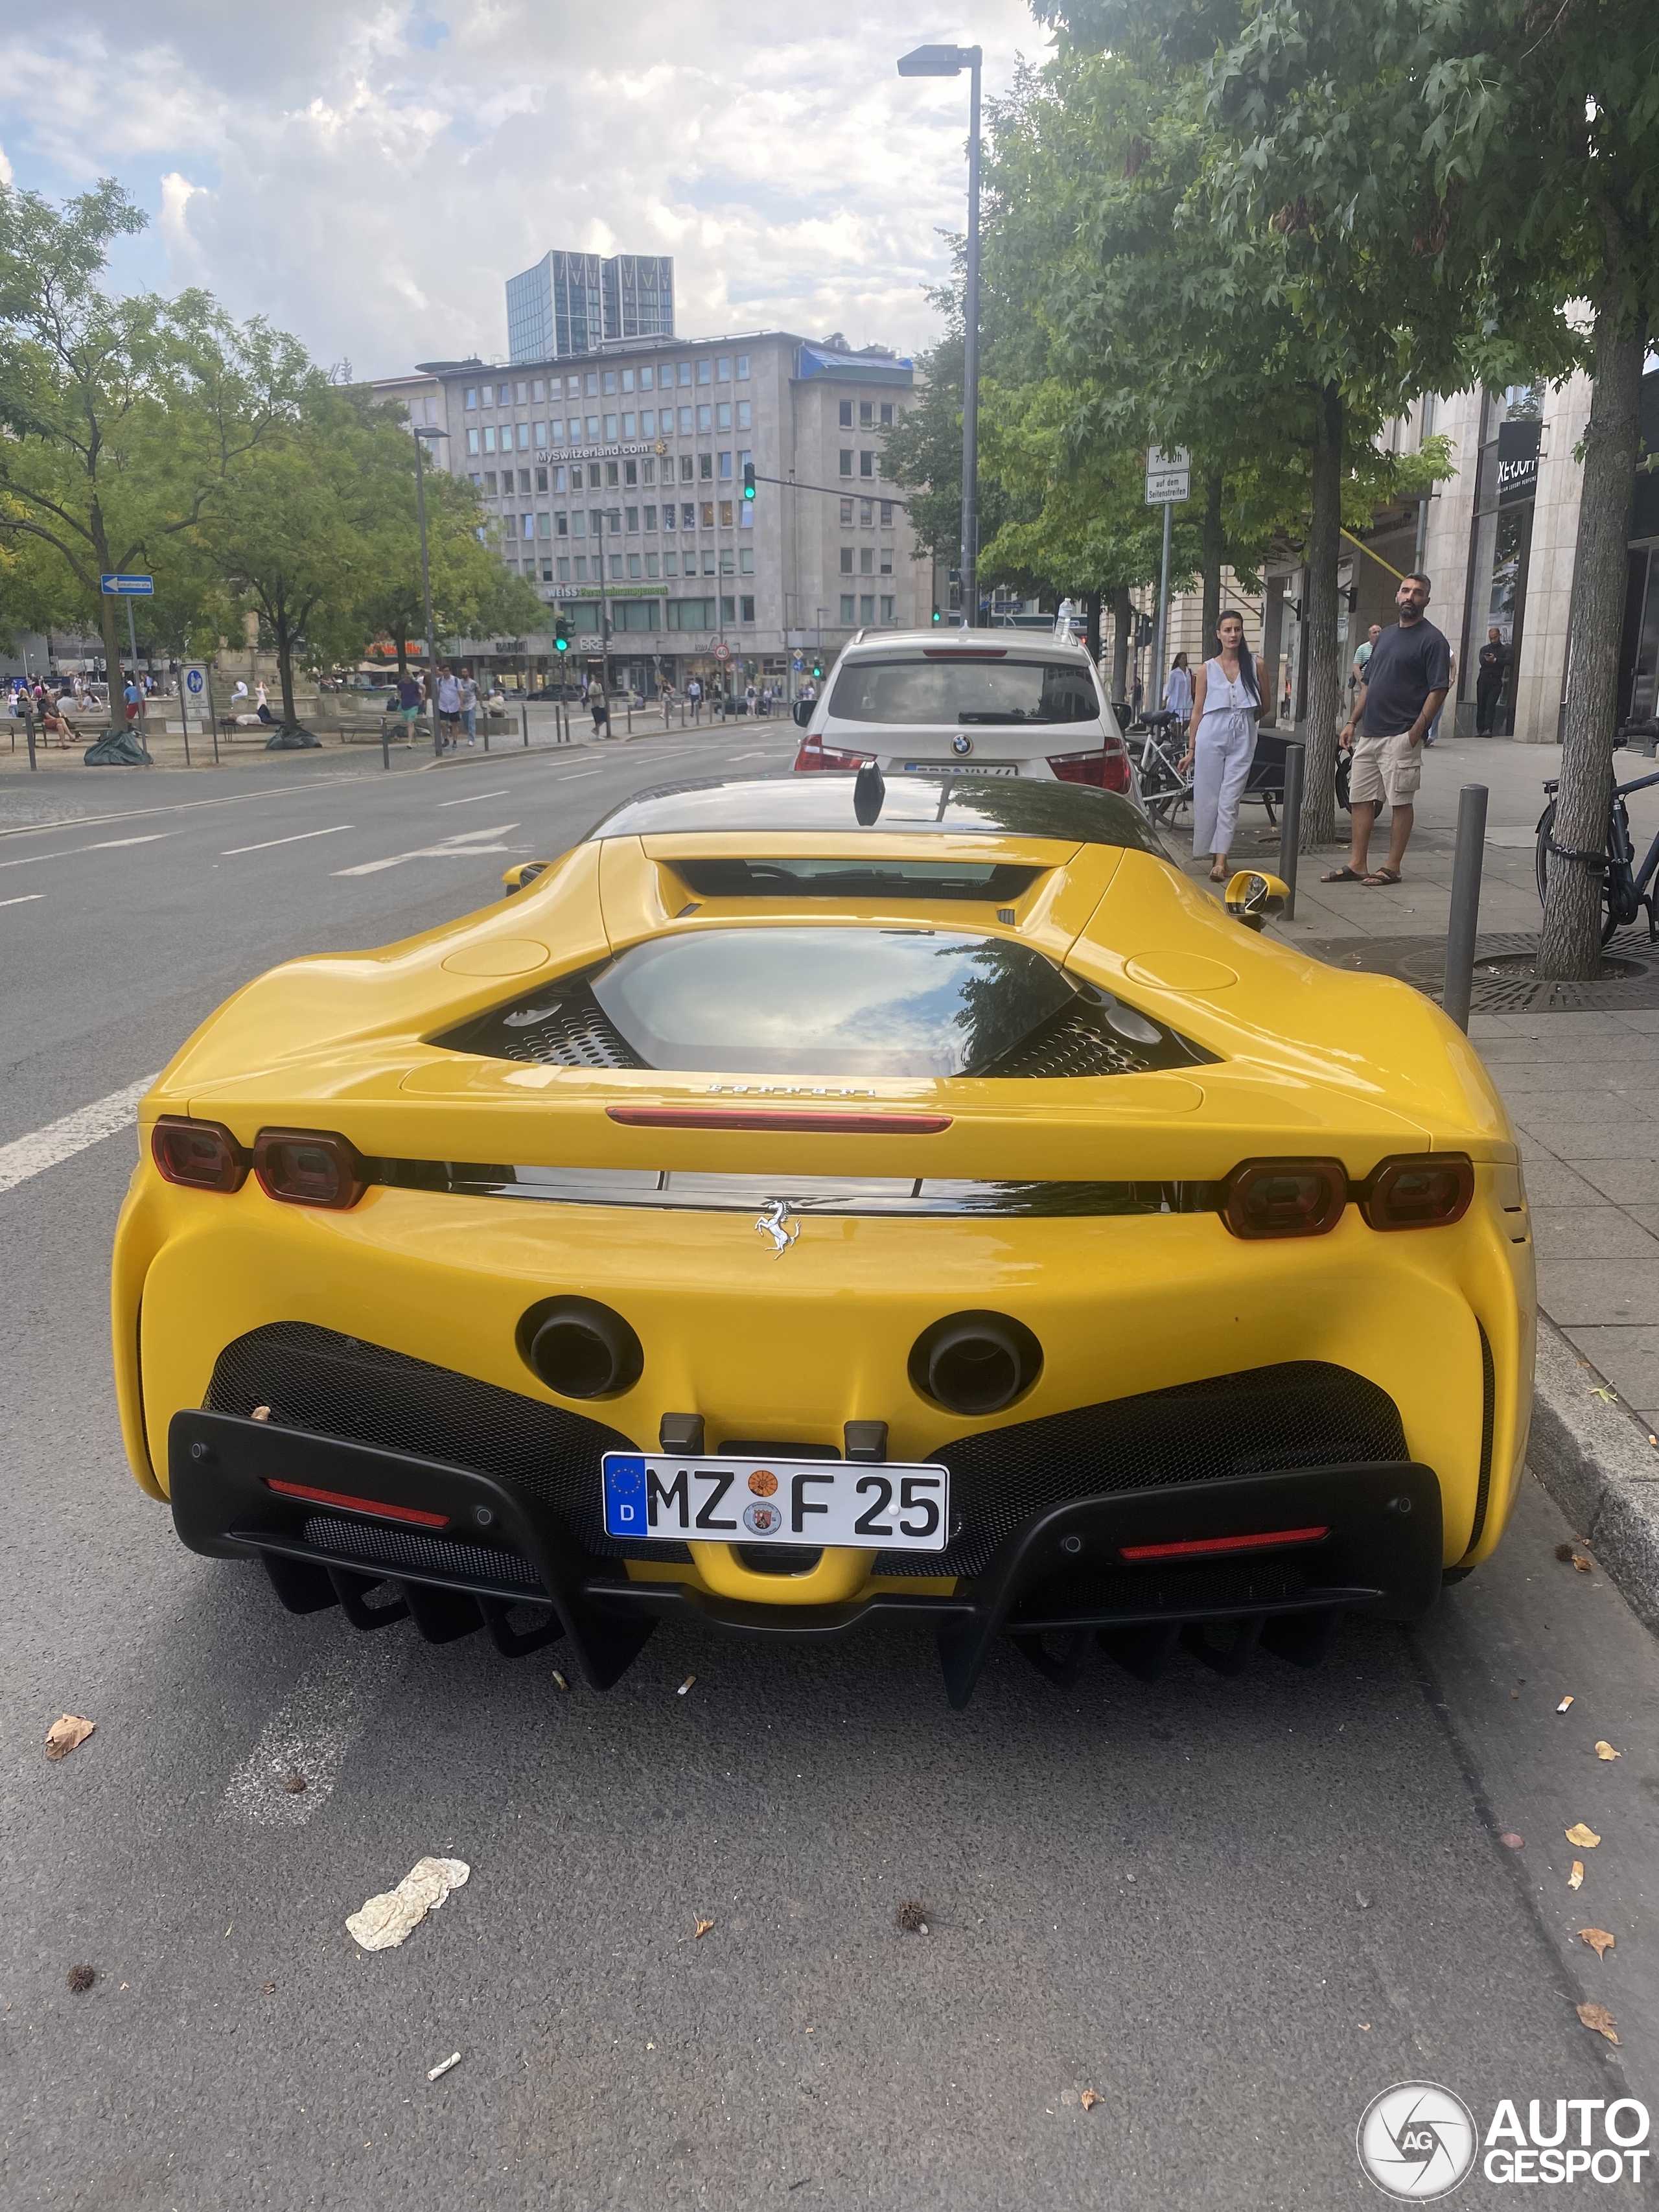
(728, 610)
(612, 473)
(707, 517)
(887, 607)
(628, 430)
(647, 471)
(887, 515)
(539, 391)
(867, 607)
(471, 395)
(631, 520)
(746, 608)
(477, 481)
(527, 525)
(592, 429)
(846, 462)
(846, 514)
(723, 415)
(472, 442)
(886, 560)
(745, 412)
(866, 465)
(489, 437)
(866, 414)
(650, 518)
(728, 565)
(561, 525)
(691, 614)
(578, 523)
(671, 564)
(558, 479)
(541, 479)
(708, 560)
(544, 526)
(582, 567)
(522, 393)
(742, 368)
(506, 395)
(538, 434)
(609, 380)
(726, 514)
(705, 418)
(592, 476)
(704, 368)
(628, 380)
(867, 513)
(616, 566)
(648, 378)
(723, 372)
(668, 516)
(845, 414)
(886, 414)
(523, 437)
(685, 421)
(847, 605)
(688, 468)
(685, 372)
(725, 468)
(846, 560)
(564, 569)
(705, 468)
(573, 387)
(489, 483)
(747, 514)
(687, 515)
(746, 561)
(648, 423)
(611, 431)
(866, 560)
(650, 564)
(633, 565)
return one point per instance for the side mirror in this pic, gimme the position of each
(1254, 899)
(802, 711)
(517, 878)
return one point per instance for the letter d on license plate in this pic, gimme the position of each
(885, 1508)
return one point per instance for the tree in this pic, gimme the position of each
(126, 417)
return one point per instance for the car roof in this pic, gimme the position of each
(943, 642)
(959, 806)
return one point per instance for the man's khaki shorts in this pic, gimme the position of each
(1385, 769)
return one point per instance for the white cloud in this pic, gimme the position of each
(368, 175)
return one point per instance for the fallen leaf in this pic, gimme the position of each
(1089, 2100)
(1511, 1842)
(685, 1686)
(1362, 1900)
(1564, 1702)
(1607, 1397)
(1605, 1750)
(81, 1978)
(384, 1921)
(270, 1989)
(1584, 1565)
(443, 2066)
(295, 1783)
(1598, 2020)
(1598, 1939)
(1576, 1879)
(912, 1916)
(65, 1734)
(1586, 1838)
(1366, 2026)
(701, 1929)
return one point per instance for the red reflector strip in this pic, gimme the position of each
(964, 653)
(410, 1513)
(749, 1117)
(1202, 1544)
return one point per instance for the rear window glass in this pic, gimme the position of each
(907, 693)
(996, 882)
(826, 1002)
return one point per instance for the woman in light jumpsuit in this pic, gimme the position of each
(1221, 742)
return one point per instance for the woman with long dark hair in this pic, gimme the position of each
(1221, 742)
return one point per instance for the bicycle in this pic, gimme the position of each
(1626, 888)
(1164, 789)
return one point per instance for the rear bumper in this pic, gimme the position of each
(488, 1545)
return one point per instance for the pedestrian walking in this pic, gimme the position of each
(599, 709)
(409, 703)
(1407, 680)
(1221, 742)
(468, 690)
(1357, 672)
(1492, 672)
(1178, 691)
(447, 733)
(694, 693)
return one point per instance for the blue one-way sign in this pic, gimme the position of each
(127, 587)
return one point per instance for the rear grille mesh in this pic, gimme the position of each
(378, 1546)
(337, 1386)
(1077, 1044)
(1304, 1413)
(563, 1025)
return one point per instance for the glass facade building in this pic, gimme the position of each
(572, 303)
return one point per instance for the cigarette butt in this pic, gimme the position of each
(559, 1682)
(443, 2066)
(685, 1685)
(1564, 1702)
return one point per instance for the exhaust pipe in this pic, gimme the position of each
(975, 1362)
(581, 1348)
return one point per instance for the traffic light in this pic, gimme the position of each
(561, 635)
(748, 480)
(817, 671)
(937, 616)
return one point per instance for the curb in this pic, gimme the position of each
(1597, 1464)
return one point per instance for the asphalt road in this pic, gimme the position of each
(1234, 1910)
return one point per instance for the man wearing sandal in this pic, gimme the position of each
(1407, 680)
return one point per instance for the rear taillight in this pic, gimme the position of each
(411, 1514)
(1106, 767)
(1430, 1193)
(309, 1167)
(201, 1155)
(813, 755)
(1285, 1198)
(1194, 1548)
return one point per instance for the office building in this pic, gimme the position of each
(573, 303)
(616, 483)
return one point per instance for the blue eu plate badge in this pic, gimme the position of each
(624, 1495)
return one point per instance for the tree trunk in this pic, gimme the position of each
(1091, 624)
(285, 668)
(1123, 622)
(1571, 943)
(1321, 646)
(1212, 550)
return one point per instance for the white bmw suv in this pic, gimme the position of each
(977, 702)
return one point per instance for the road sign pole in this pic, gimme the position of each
(1155, 689)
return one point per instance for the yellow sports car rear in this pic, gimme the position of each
(814, 1197)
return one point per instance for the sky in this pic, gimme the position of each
(368, 176)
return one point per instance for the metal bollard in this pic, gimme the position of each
(386, 745)
(486, 733)
(213, 726)
(184, 724)
(28, 724)
(1290, 823)
(630, 714)
(1465, 902)
(524, 723)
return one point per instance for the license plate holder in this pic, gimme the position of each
(659, 1497)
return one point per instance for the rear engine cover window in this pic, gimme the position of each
(998, 882)
(829, 1001)
(905, 694)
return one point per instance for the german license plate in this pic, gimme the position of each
(961, 768)
(650, 1496)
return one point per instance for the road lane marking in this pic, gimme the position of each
(179, 806)
(60, 1141)
(27, 899)
(460, 847)
(299, 838)
(309, 1735)
(471, 798)
(104, 845)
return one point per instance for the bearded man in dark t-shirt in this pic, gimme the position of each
(1407, 680)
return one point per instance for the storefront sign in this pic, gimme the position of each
(1517, 461)
(597, 452)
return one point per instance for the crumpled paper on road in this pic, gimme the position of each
(386, 1920)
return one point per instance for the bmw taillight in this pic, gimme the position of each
(814, 755)
(1285, 1198)
(1106, 767)
(201, 1155)
(309, 1167)
(1427, 1193)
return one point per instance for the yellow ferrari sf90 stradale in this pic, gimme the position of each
(818, 1197)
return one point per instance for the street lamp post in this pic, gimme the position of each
(951, 61)
(423, 431)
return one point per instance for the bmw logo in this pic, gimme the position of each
(961, 744)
